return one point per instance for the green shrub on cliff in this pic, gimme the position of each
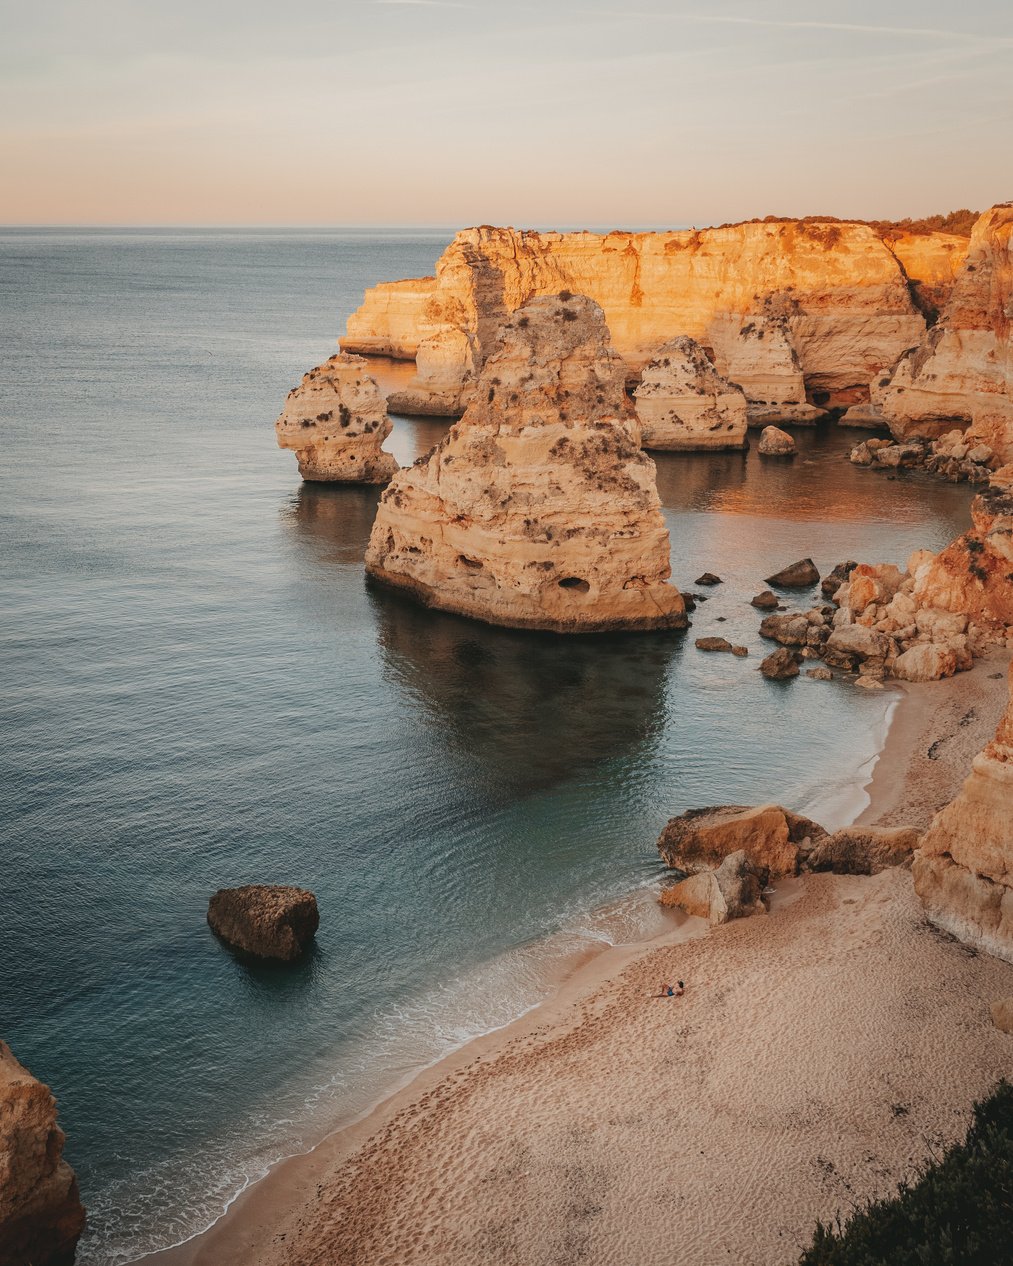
(959, 1212)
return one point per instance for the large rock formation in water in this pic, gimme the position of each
(684, 403)
(336, 420)
(265, 920)
(41, 1215)
(539, 508)
(961, 372)
(845, 295)
(964, 870)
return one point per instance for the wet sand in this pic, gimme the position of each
(819, 1055)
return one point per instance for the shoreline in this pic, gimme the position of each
(951, 720)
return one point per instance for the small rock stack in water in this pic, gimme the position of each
(684, 403)
(539, 508)
(336, 420)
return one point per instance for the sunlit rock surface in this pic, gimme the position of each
(684, 403)
(539, 509)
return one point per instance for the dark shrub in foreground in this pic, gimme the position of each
(959, 1212)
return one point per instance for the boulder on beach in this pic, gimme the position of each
(41, 1215)
(776, 443)
(800, 575)
(780, 664)
(265, 920)
(732, 891)
(771, 837)
(864, 850)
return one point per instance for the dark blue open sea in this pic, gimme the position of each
(198, 690)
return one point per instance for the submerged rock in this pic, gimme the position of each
(800, 575)
(41, 1215)
(964, 869)
(684, 403)
(713, 644)
(769, 836)
(539, 509)
(336, 421)
(265, 920)
(732, 891)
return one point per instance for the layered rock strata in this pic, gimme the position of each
(335, 421)
(963, 872)
(41, 1215)
(539, 509)
(961, 372)
(683, 402)
(841, 294)
(265, 920)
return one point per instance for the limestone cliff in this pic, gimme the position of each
(759, 355)
(852, 312)
(445, 376)
(961, 372)
(964, 871)
(336, 420)
(684, 403)
(539, 508)
(41, 1216)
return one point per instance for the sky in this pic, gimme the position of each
(457, 112)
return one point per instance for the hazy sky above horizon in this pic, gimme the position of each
(458, 112)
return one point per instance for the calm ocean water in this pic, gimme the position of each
(199, 690)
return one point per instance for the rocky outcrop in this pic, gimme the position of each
(684, 403)
(780, 665)
(961, 373)
(732, 891)
(444, 376)
(963, 872)
(265, 920)
(758, 353)
(776, 443)
(335, 421)
(770, 838)
(539, 509)
(800, 575)
(838, 294)
(864, 850)
(41, 1215)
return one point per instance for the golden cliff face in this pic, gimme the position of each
(964, 870)
(849, 308)
(539, 508)
(962, 371)
(335, 421)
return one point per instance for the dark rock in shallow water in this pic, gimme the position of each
(765, 601)
(780, 665)
(799, 575)
(708, 578)
(713, 644)
(833, 580)
(41, 1215)
(265, 920)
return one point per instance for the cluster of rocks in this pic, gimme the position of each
(951, 456)
(729, 853)
(41, 1215)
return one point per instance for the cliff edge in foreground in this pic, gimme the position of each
(539, 509)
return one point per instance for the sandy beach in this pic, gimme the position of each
(820, 1054)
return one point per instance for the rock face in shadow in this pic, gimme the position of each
(961, 372)
(683, 403)
(335, 421)
(963, 872)
(41, 1215)
(265, 920)
(842, 291)
(538, 510)
(770, 837)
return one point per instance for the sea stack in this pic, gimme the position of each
(684, 403)
(336, 420)
(539, 509)
(41, 1215)
(265, 920)
(964, 871)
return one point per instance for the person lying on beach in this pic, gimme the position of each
(668, 992)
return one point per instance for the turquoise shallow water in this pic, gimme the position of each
(199, 690)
